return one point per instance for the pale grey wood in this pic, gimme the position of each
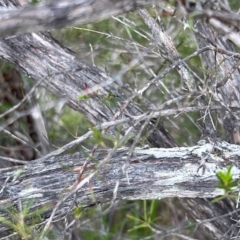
(154, 173)
(223, 75)
(62, 13)
(41, 57)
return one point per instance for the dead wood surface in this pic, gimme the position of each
(62, 13)
(146, 176)
(154, 173)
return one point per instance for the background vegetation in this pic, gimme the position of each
(122, 43)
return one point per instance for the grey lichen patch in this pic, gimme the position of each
(200, 150)
(30, 193)
(179, 152)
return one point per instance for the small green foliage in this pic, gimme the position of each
(33, 2)
(97, 134)
(83, 97)
(69, 124)
(226, 180)
(226, 183)
(101, 138)
(149, 217)
(77, 212)
(24, 221)
(191, 226)
(110, 100)
(235, 4)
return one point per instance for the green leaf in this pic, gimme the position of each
(226, 183)
(83, 97)
(77, 212)
(134, 218)
(97, 133)
(144, 225)
(110, 100)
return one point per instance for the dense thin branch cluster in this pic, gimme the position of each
(160, 170)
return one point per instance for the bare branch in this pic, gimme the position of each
(151, 174)
(62, 13)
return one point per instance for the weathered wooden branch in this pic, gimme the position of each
(62, 13)
(144, 175)
(154, 173)
(224, 79)
(64, 74)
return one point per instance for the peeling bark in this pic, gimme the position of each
(148, 174)
(153, 173)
